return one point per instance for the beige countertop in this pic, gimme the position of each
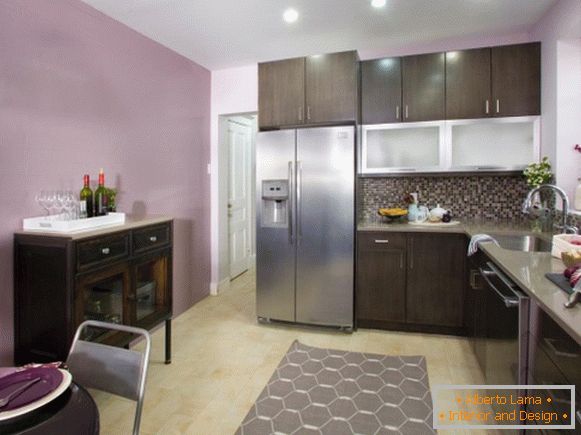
(469, 227)
(526, 269)
(131, 222)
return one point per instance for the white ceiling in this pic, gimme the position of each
(224, 33)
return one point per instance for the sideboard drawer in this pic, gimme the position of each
(94, 253)
(151, 237)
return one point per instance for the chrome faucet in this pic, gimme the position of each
(526, 207)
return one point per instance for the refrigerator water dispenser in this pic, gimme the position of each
(275, 203)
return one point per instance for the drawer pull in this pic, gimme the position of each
(381, 241)
(105, 251)
(153, 239)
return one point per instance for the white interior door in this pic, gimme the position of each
(239, 148)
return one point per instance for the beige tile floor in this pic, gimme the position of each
(222, 359)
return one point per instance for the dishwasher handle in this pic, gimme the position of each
(492, 271)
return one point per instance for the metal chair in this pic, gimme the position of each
(111, 369)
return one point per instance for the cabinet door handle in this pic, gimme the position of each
(105, 251)
(407, 113)
(578, 414)
(487, 107)
(411, 253)
(300, 113)
(497, 106)
(473, 284)
(153, 239)
(397, 112)
(381, 241)
(308, 112)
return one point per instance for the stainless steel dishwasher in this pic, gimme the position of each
(503, 328)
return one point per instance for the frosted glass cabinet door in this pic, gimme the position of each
(400, 149)
(494, 144)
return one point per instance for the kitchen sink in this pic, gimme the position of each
(524, 243)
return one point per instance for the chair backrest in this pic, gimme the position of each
(111, 369)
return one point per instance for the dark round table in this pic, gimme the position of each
(74, 412)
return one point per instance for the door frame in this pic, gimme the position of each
(221, 252)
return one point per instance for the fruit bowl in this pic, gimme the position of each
(392, 214)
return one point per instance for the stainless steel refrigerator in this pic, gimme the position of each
(305, 184)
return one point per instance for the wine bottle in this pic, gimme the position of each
(101, 199)
(86, 196)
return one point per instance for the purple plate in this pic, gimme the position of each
(50, 379)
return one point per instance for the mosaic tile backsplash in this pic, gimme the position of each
(494, 197)
(490, 197)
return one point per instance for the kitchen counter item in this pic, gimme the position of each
(435, 224)
(475, 241)
(436, 214)
(560, 280)
(563, 243)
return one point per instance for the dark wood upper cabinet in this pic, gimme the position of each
(381, 91)
(321, 89)
(423, 87)
(436, 279)
(281, 93)
(331, 88)
(468, 84)
(381, 278)
(516, 76)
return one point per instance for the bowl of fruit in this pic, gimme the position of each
(392, 214)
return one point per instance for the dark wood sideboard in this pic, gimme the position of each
(120, 274)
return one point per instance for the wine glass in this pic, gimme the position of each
(42, 199)
(69, 205)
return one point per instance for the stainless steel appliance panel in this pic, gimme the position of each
(325, 208)
(506, 333)
(275, 250)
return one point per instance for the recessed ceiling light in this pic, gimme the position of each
(290, 15)
(378, 3)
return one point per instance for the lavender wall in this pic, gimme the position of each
(78, 91)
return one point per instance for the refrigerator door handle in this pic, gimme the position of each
(290, 203)
(299, 201)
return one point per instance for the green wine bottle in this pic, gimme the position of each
(87, 196)
(101, 199)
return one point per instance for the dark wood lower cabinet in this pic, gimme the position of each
(411, 281)
(381, 278)
(436, 279)
(116, 275)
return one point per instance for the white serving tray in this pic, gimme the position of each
(435, 224)
(562, 243)
(55, 224)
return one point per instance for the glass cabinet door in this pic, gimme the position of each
(100, 296)
(406, 147)
(150, 292)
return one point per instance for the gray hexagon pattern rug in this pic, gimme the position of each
(322, 391)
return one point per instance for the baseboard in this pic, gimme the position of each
(220, 287)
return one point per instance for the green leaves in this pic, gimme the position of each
(538, 173)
